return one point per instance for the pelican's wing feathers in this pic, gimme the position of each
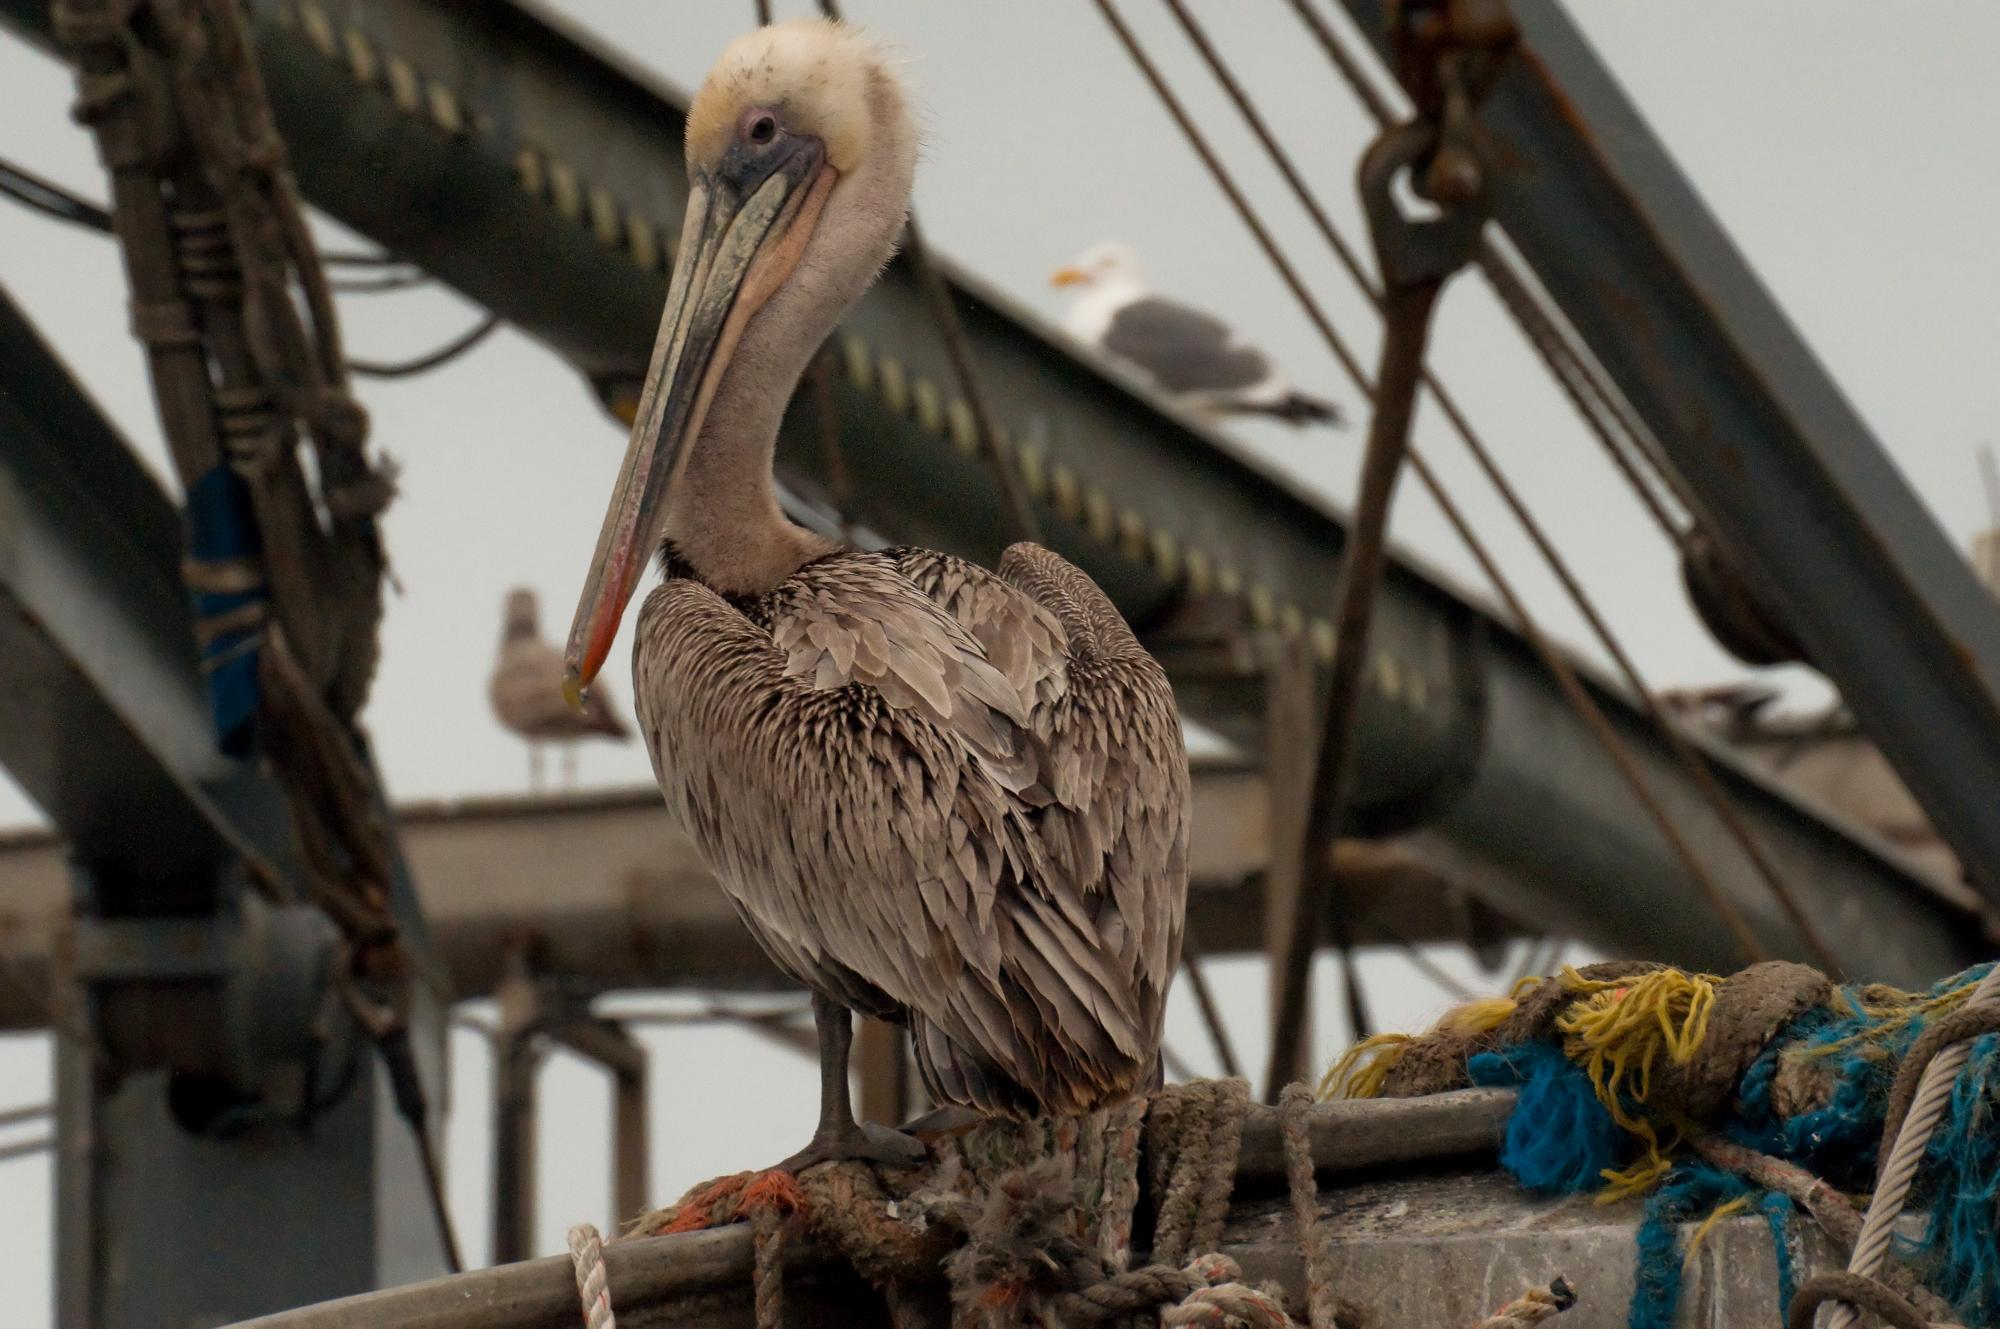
(1113, 764)
(865, 781)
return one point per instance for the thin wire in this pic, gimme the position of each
(1539, 329)
(1602, 410)
(393, 281)
(763, 13)
(1019, 512)
(433, 1170)
(24, 1148)
(1560, 667)
(51, 199)
(32, 1112)
(1204, 1000)
(1582, 387)
(423, 364)
(1430, 969)
(1572, 373)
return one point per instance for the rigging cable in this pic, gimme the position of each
(52, 200)
(430, 360)
(1601, 405)
(1559, 666)
(1541, 332)
(937, 292)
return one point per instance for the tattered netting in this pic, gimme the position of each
(1620, 1066)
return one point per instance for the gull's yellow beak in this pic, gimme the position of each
(1069, 277)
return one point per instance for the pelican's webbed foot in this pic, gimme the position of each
(861, 1142)
(840, 1136)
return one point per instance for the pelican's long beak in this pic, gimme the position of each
(747, 224)
(1069, 277)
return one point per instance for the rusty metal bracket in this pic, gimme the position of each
(1417, 255)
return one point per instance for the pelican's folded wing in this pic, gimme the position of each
(847, 758)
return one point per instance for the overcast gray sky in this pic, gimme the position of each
(1846, 145)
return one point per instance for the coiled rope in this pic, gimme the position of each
(1031, 1224)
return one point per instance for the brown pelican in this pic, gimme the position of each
(527, 693)
(945, 796)
(1191, 356)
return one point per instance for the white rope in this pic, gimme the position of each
(1871, 1248)
(586, 1253)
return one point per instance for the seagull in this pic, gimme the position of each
(527, 693)
(1191, 356)
(952, 798)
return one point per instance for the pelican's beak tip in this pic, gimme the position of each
(574, 688)
(1067, 277)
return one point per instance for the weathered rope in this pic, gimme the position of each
(1772, 1075)
(1226, 1300)
(1846, 1291)
(1533, 1306)
(1904, 1150)
(1121, 1184)
(1304, 1193)
(767, 1235)
(586, 1253)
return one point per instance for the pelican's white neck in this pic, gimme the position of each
(725, 520)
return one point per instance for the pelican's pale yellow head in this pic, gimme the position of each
(800, 153)
(814, 72)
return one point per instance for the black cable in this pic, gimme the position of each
(406, 1087)
(44, 196)
(51, 199)
(443, 355)
(401, 280)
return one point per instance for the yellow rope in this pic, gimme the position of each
(1618, 1031)
(1363, 1068)
(1481, 1016)
(1722, 1211)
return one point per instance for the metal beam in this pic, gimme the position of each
(1441, 1246)
(1781, 466)
(543, 178)
(637, 909)
(204, 1088)
(103, 719)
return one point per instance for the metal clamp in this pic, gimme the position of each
(1414, 251)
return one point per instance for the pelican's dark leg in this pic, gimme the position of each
(839, 1135)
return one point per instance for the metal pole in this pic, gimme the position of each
(611, 1045)
(518, 1049)
(1289, 713)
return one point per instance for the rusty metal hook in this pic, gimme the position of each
(1415, 250)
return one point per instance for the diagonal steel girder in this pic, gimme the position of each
(543, 178)
(103, 716)
(1781, 467)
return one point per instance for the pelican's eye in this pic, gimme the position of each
(760, 127)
